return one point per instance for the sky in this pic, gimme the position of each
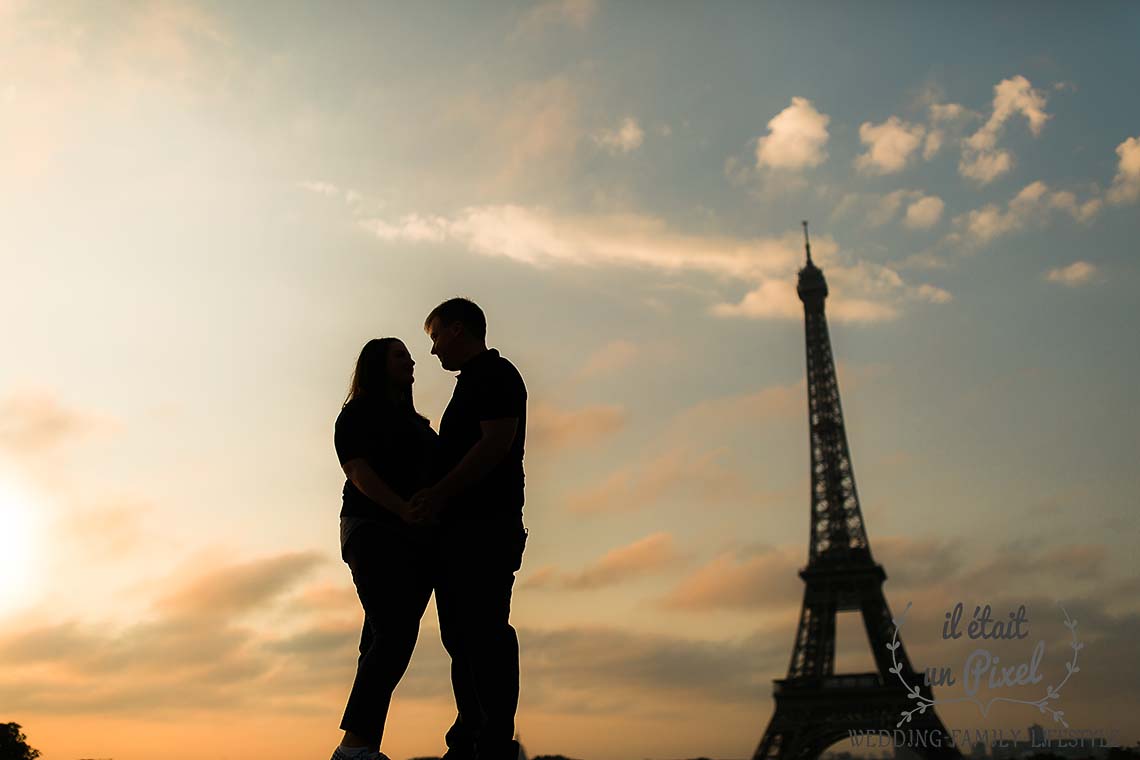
(206, 209)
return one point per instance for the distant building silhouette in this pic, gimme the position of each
(1040, 743)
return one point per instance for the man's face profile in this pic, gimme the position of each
(444, 341)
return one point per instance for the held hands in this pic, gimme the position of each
(424, 508)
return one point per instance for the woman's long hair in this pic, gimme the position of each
(370, 377)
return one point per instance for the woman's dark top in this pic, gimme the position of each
(397, 443)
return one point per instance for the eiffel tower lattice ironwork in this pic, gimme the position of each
(815, 707)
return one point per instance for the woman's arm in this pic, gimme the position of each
(370, 484)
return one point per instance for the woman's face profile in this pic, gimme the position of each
(400, 364)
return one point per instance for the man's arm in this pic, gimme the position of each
(371, 485)
(488, 451)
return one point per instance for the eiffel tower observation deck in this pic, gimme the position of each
(815, 706)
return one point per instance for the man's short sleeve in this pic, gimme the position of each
(350, 435)
(501, 394)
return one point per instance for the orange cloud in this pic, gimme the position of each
(239, 588)
(764, 581)
(677, 471)
(615, 355)
(648, 555)
(645, 556)
(552, 427)
(37, 420)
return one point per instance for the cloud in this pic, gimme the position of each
(990, 222)
(612, 357)
(1082, 212)
(104, 529)
(1126, 184)
(945, 118)
(729, 582)
(551, 427)
(645, 556)
(982, 160)
(796, 139)
(239, 588)
(625, 139)
(1077, 273)
(329, 190)
(986, 166)
(576, 14)
(932, 144)
(772, 299)
(535, 125)
(539, 238)
(36, 420)
(762, 405)
(891, 144)
(675, 473)
(596, 663)
(879, 209)
(881, 288)
(1031, 204)
(198, 650)
(411, 227)
(924, 213)
(948, 112)
(63, 66)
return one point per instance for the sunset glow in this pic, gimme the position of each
(19, 543)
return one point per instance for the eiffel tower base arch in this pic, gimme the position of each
(808, 720)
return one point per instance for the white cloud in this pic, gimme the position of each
(1126, 185)
(1067, 201)
(773, 299)
(539, 238)
(990, 221)
(875, 293)
(982, 160)
(1077, 273)
(330, 190)
(411, 227)
(985, 166)
(626, 138)
(934, 294)
(876, 210)
(945, 118)
(933, 144)
(945, 112)
(891, 144)
(888, 205)
(924, 213)
(1032, 204)
(796, 139)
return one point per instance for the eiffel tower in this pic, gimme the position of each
(815, 707)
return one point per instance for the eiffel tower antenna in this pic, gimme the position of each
(815, 707)
(807, 243)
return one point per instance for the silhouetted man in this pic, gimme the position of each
(478, 503)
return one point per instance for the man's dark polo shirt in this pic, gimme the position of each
(488, 388)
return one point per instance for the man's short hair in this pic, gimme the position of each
(460, 310)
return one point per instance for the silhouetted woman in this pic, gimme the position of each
(386, 449)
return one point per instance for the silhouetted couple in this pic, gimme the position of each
(426, 512)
